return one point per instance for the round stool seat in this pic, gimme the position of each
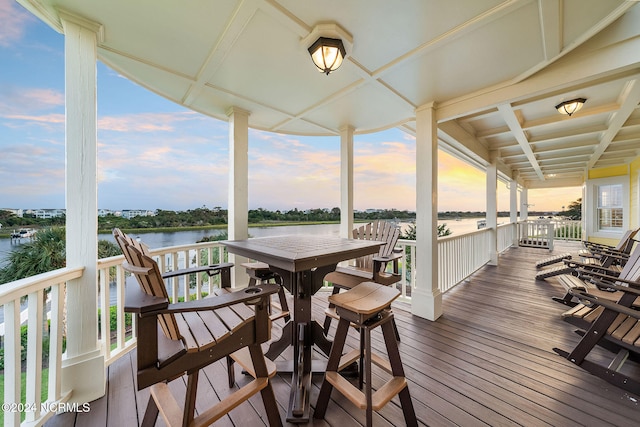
(364, 301)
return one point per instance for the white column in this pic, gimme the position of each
(513, 208)
(238, 222)
(492, 211)
(83, 370)
(524, 205)
(426, 298)
(346, 181)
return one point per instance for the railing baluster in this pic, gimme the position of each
(55, 341)
(33, 397)
(12, 386)
(105, 311)
(121, 320)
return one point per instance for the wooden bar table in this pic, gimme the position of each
(302, 261)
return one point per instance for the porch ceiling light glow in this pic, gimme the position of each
(570, 107)
(327, 54)
(328, 44)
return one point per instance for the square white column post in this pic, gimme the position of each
(524, 205)
(346, 181)
(513, 209)
(238, 221)
(492, 212)
(426, 298)
(83, 370)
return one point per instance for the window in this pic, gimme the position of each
(610, 212)
(607, 207)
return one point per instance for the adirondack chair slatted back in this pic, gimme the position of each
(631, 270)
(137, 255)
(382, 231)
(630, 241)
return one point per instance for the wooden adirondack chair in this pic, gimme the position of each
(182, 338)
(613, 324)
(596, 250)
(597, 279)
(372, 268)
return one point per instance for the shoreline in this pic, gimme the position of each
(7, 235)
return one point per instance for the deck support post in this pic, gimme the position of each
(238, 221)
(426, 297)
(513, 209)
(346, 181)
(492, 211)
(524, 203)
(83, 370)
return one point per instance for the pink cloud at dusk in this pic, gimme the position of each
(13, 18)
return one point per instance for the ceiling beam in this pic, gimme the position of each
(514, 124)
(551, 27)
(628, 100)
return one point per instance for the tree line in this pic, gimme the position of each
(204, 217)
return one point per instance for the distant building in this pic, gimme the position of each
(49, 213)
(16, 212)
(130, 213)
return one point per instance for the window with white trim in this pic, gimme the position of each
(607, 207)
(610, 211)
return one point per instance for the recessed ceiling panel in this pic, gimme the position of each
(468, 64)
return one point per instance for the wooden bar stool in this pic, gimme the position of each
(366, 306)
(259, 273)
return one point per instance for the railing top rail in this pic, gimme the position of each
(461, 235)
(22, 287)
(170, 249)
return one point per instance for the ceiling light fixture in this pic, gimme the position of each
(570, 107)
(328, 44)
(327, 54)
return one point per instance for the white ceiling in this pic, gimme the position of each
(494, 70)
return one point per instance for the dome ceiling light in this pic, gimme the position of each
(570, 107)
(328, 44)
(327, 54)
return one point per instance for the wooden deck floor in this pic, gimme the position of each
(487, 361)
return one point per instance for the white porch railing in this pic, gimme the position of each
(567, 229)
(38, 401)
(459, 256)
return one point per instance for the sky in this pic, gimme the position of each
(155, 154)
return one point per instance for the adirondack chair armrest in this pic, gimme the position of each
(632, 283)
(211, 270)
(583, 295)
(589, 270)
(612, 253)
(136, 301)
(576, 265)
(250, 296)
(134, 269)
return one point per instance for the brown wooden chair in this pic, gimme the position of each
(371, 268)
(182, 338)
(595, 250)
(614, 325)
(598, 280)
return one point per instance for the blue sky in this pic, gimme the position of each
(156, 154)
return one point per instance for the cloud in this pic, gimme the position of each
(145, 122)
(14, 19)
(15, 100)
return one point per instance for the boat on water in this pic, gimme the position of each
(23, 233)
